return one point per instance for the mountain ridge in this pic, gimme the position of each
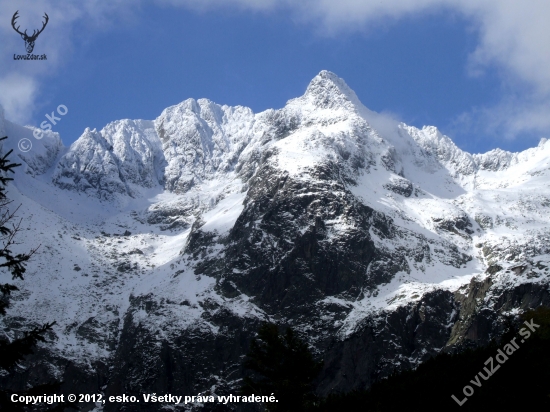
(325, 87)
(167, 242)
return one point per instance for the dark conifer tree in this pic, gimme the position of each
(282, 365)
(521, 382)
(12, 352)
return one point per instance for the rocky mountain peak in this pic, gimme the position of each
(351, 227)
(328, 91)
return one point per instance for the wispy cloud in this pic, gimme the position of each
(17, 97)
(216, 4)
(513, 37)
(20, 82)
(510, 118)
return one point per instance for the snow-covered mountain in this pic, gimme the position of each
(164, 244)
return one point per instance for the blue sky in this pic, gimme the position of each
(438, 65)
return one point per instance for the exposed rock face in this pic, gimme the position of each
(400, 186)
(112, 161)
(201, 139)
(380, 243)
(395, 340)
(439, 321)
(459, 225)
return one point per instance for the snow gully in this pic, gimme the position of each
(501, 357)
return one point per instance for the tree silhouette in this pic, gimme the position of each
(521, 383)
(282, 365)
(13, 351)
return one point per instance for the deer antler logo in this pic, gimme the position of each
(29, 40)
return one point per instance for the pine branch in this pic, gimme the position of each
(6, 290)
(13, 352)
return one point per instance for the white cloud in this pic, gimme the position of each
(513, 36)
(210, 4)
(20, 80)
(508, 119)
(17, 96)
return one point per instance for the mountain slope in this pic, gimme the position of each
(165, 243)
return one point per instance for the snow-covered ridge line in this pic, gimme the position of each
(188, 230)
(196, 140)
(431, 140)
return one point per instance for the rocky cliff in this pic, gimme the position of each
(166, 243)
